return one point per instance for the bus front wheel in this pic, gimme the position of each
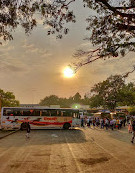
(23, 126)
(66, 126)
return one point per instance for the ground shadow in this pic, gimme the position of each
(44, 137)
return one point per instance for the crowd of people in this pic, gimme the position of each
(108, 123)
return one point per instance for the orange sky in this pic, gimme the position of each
(32, 67)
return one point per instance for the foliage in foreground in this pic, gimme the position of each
(112, 30)
(27, 13)
(112, 25)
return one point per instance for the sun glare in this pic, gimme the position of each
(68, 72)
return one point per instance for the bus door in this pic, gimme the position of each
(76, 120)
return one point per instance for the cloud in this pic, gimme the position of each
(33, 48)
(11, 67)
(6, 48)
(14, 68)
(28, 57)
(9, 60)
(86, 45)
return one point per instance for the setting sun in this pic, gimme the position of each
(68, 72)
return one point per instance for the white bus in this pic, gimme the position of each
(39, 118)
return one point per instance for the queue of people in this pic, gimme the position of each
(103, 122)
(115, 123)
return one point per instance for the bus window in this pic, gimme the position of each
(35, 112)
(4, 113)
(66, 114)
(18, 113)
(8, 112)
(15, 112)
(59, 113)
(53, 113)
(26, 112)
(45, 113)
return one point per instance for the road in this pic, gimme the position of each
(81, 150)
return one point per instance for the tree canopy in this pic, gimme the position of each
(26, 13)
(112, 92)
(8, 99)
(112, 29)
(112, 26)
(64, 102)
(131, 111)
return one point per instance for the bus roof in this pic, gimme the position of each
(40, 108)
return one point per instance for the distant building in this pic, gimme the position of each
(38, 106)
(33, 106)
(54, 106)
(29, 105)
(85, 106)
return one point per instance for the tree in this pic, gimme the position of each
(96, 101)
(63, 102)
(107, 93)
(77, 98)
(113, 92)
(127, 95)
(8, 99)
(50, 100)
(86, 100)
(112, 28)
(131, 111)
(26, 13)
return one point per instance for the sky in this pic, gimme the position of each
(32, 66)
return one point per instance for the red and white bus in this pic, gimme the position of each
(39, 118)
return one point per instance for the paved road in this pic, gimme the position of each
(4, 133)
(72, 151)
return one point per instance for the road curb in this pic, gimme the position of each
(10, 133)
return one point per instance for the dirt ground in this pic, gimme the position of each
(81, 150)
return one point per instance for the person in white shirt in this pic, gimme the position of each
(112, 124)
(106, 123)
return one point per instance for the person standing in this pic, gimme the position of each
(102, 123)
(133, 131)
(82, 119)
(112, 124)
(124, 122)
(88, 121)
(114, 120)
(94, 121)
(129, 128)
(118, 124)
(106, 123)
(28, 130)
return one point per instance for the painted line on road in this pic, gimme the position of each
(77, 164)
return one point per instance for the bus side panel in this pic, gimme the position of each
(36, 122)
